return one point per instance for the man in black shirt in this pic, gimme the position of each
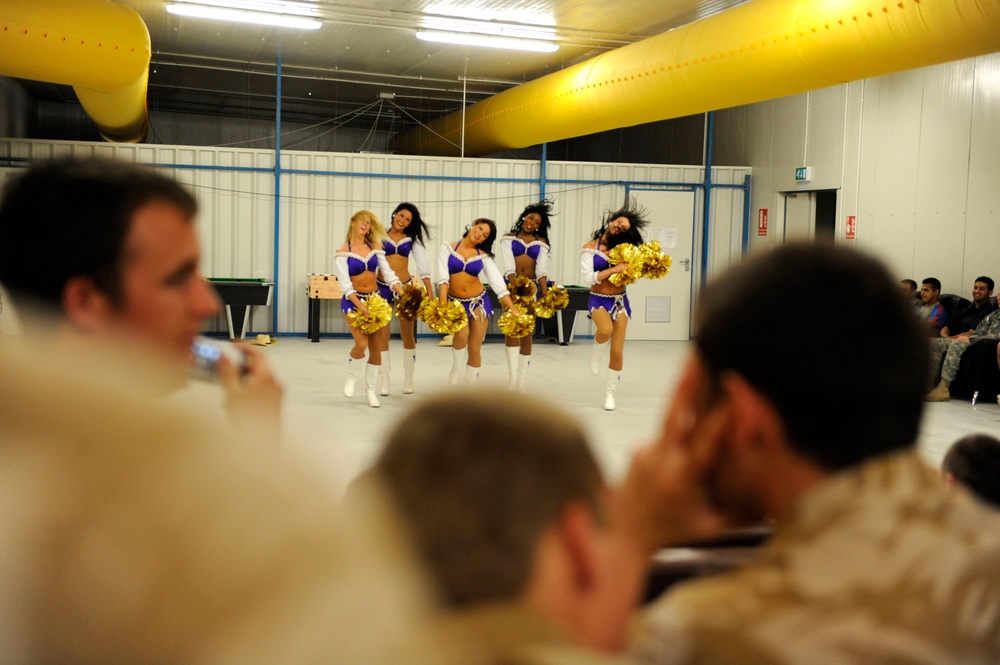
(965, 318)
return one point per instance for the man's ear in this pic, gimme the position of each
(577, 537)
(754, 421)
(84, 305)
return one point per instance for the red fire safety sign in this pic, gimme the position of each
(762, 222)
(851, 227)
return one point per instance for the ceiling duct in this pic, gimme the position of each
(760, 50)
(98, 47)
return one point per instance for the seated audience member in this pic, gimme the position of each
(109, 252)
(872, 560)
(931, 310)
(509, 510)
(133, 533)
(909, 288)
(946, 355)
(967, 316)
(974, 463)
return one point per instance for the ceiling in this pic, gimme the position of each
(365, 63)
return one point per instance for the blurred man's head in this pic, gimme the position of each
(974, 462)
(909, 288)
(506, 503)
(830, 397)
(110, 247)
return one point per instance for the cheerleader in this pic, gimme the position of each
(356, 263)
(526, 252)
(459, 267)
(405, 238)
(609, 307)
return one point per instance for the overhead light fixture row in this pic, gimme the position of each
(491, 41)
(228, 13)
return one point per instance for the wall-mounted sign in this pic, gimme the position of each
(803, 174)
(762, 222)
(851, 228)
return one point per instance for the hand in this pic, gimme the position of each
(362, 309)
(664, 494)
(514, 310)
(961, 338)
(253, 399)
(398, 288)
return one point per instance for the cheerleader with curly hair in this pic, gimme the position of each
(609, 307)
(526, 252)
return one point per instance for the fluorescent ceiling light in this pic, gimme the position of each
(473, 39)
(241, 16)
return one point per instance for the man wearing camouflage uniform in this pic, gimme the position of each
(871, 560)
(946, 354)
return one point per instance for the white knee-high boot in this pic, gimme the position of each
(383, 374)
(512, 365)
(610, 386)
(471, 375)
(371, 378)
(458, 357)
(409, 360)
(595, 356)
(523, 363)
(353, 369)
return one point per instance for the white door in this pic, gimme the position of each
(800, 216)
(661, 308)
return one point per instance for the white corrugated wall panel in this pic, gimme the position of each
(982, 236)
(824, 137)
(942, 176)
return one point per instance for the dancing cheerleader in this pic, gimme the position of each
(405, 238)
(459, 267)
(609, 307)
(526, 252)
(356, 263)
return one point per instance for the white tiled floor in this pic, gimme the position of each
(342, 435)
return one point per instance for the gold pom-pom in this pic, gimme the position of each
(379, 313)
(518, 326)
(409, 302)
(629, 254)
(555, 299)
(522, 291)
(655, 264)
(445, 318)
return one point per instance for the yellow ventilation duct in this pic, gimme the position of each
(98, 47)
(761, 50)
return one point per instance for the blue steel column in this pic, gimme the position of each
(541, 177)
(708, 196)
(746, 215)
(277, 193)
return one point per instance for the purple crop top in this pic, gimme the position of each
(532, 249)
(403, 247)
(473, 266)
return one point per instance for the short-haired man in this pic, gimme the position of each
(966, 317)
(973, 462)
(871, 559)
(110, 249)
(931, 310)
(946, 355)
(509, 511)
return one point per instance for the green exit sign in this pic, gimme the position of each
(803, 174)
